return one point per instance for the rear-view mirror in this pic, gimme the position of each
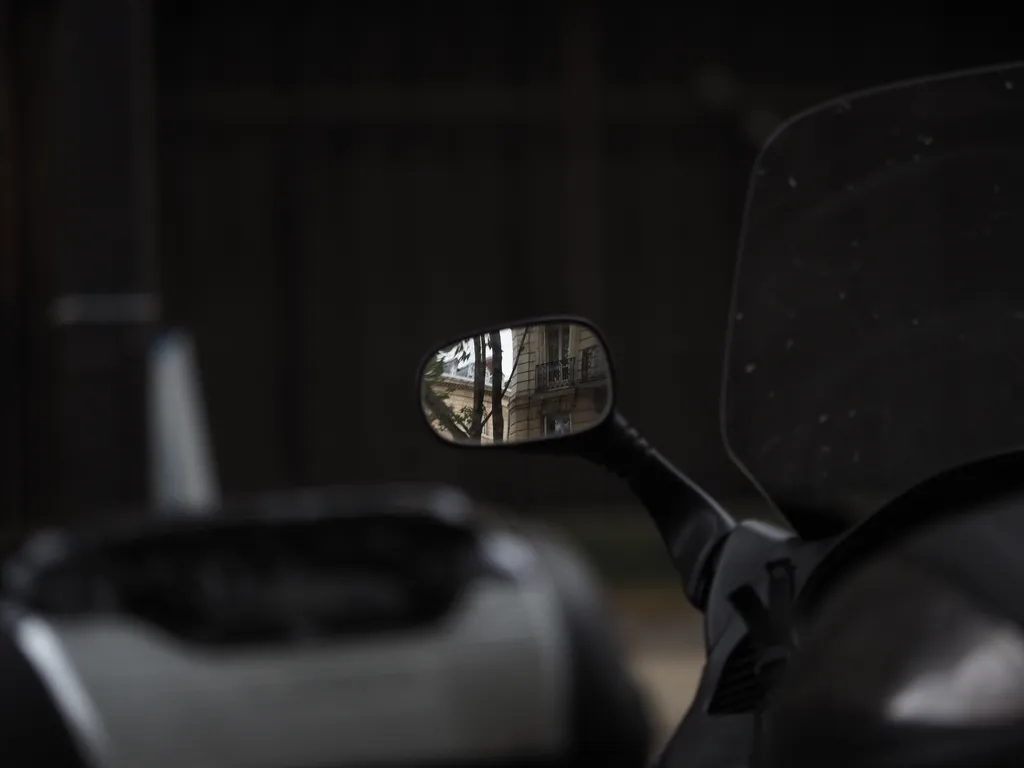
(536, 381)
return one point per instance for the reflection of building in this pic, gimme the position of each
(455, 385)
(560, 383)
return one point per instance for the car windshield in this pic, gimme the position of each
(877, 335)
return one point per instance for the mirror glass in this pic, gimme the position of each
(516, 385)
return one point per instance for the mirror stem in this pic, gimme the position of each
(690, 521)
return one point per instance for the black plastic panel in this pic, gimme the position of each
(257, 581)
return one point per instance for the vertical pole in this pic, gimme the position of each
(104, 265)
(584, 128)
(25, 230)
(12, 288)
(289, 263)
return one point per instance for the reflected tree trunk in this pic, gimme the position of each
(476, 423)
(497, 390)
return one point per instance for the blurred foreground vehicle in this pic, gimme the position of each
(379, 626)
(389, 626)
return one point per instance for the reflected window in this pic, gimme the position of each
(592, 365)
(464, 370)
(558, 424)
(557, 342)
(558, 370)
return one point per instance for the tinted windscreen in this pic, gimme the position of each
(878, 328)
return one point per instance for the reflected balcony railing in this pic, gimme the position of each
(557, 374)
(592, 365)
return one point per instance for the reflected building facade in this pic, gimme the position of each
(559, 384)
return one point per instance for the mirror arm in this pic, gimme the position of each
(691, 523)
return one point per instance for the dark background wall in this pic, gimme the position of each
(306, 186)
